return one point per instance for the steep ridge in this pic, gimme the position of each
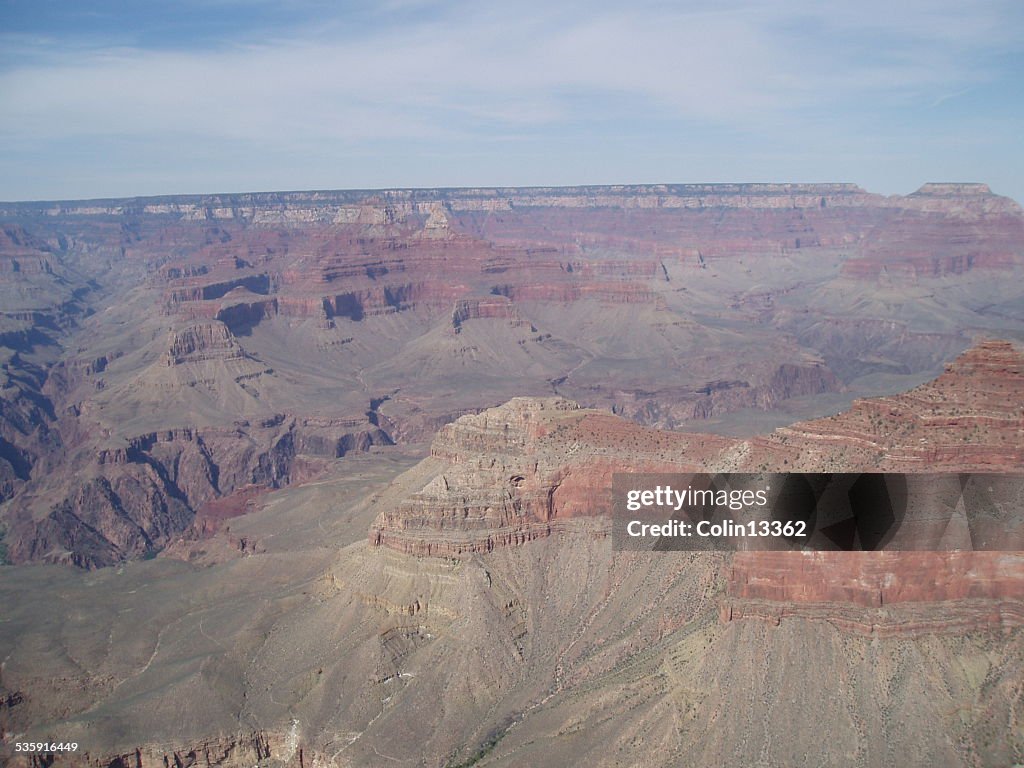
(131, 500)
(136, 486)
(511, 464)
(971, 418)
(515, 473)
(519, 472)
(41, 300)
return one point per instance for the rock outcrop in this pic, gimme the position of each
(515, 473)
(510, 473)
(519, 472)
(130, 501)
(205, 341)
(241, 751)
(971, 418)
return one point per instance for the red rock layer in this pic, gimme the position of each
(909, 619)
(875, 579)
(971, 418)
(513, 463)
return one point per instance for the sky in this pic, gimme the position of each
(125, 98)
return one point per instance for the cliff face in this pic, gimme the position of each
(378, 207)
(296, 246)
(520, 472)
(952, 592)
(970, 418)
(131, 501)
(202, 342)
(528, 461)
(515, 473)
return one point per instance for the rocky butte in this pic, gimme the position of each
(522, 471)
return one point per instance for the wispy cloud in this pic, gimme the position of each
(468, 72)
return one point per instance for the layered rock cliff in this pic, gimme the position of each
(517, 472)
(971, 418)
(521, 471)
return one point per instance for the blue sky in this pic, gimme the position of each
(139, 98)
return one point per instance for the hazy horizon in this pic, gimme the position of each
(201, 97)
(327, 190)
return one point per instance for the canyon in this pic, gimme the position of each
(324, 478)
(161, 353)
